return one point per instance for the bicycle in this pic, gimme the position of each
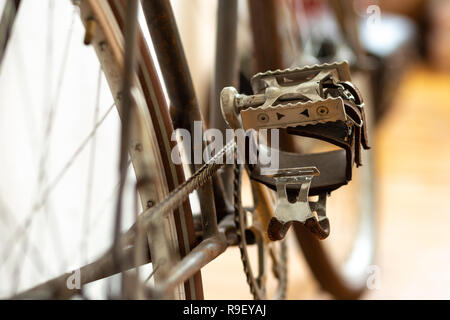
(177, 242)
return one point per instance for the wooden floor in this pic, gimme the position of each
(413, 182)
(413, 157)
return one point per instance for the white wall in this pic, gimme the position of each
(28, 85)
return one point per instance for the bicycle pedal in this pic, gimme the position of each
(294, 114)
(302, 210)
(292, 97)
(318, 102)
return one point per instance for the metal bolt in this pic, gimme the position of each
(150, 203)
(263, 117)
(322, 110)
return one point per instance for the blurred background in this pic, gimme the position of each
(401, 62)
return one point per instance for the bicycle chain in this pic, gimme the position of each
(197, 180)
(256, 289)
(181, 194)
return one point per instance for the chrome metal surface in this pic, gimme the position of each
(287, 211)
(290, 98)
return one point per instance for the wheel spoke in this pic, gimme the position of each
(18, 233)
(155, 268)
(90, 182)
(49, 126)
(10, 222)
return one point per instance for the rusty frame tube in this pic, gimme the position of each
(184, 105)
(225, 74)
(266, 39)
(205, 252)
(226, 67)
(268, 48)
(103, 267)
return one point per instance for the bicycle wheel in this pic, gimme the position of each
(149, 149)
